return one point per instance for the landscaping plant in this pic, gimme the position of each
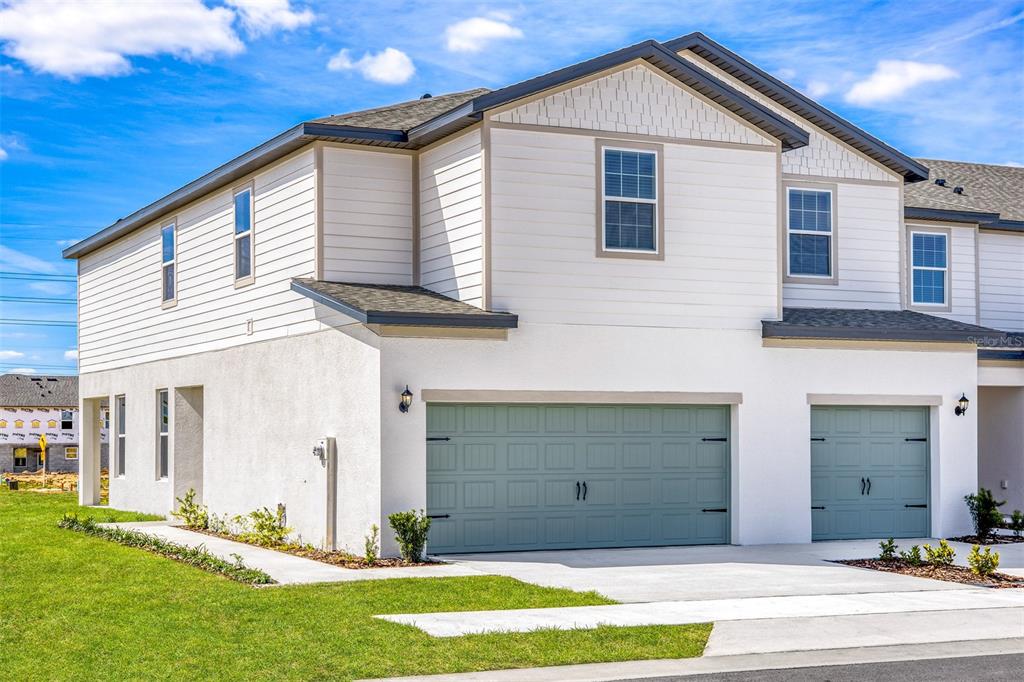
(888, 548)
(983, 563)
(191, 514)
(263, 527)
(1017, 522)
(913, 557)
(371, 546)
(984, 512)
(411, 528)
(941, 556)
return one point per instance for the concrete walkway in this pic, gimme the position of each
(288, 569)
(454, 624)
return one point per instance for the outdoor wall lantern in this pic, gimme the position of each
(407, 400)
(961, 406)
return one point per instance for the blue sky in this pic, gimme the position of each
(106, 106)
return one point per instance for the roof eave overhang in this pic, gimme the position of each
(733, 64)
(984, 221)
(271, 150)
(777, 330)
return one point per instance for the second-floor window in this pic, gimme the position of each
(810, 233)
(163, 434)
(168, 248)
(67, 420)
(243, 235)
(629, 201)
(929, 268)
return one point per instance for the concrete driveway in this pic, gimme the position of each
(716, 572)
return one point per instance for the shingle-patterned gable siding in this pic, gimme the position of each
(636, 100)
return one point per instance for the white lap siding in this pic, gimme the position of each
(121, 321)
(1001, 257)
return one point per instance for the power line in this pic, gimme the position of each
(39, 277)
(32, 299)
(34, 365)
(37, 323)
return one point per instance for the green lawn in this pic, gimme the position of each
(77, 607)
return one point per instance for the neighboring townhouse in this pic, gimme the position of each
(655, 298)
(33, 406)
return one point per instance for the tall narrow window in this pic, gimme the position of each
(810, 233)
(119, 442)
(243, 235)
(630, 200)
(168, 248)
(163, 433)
(20, 457)
(67, 420)
(929, 266)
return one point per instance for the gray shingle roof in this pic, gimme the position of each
(400, 305)
(873, 325)
(404, 115)
(28, 390)
(987, 189)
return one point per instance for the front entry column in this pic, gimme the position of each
(89, 425)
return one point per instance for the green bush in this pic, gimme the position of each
(983, 563)
(411, 530)
(263, 527)
(193, 556)
(943, 555)
(913, 557)
(191, 514)
(371, 546)
(984, 512)
(1017, 522)
(888, 548)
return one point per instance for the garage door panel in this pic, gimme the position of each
(507, 477)
(913, 422)
(881, 453)
(882, 422)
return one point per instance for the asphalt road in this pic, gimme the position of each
(964, 669)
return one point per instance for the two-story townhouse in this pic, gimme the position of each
(657, 297)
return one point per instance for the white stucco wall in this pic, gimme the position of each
(1001, 443)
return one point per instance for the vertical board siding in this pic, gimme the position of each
(823, 155)
(868, 231)
(720, 264)
(121, 321)
(637, 100)
(367, 214)
(1001, 258)
(451, 219)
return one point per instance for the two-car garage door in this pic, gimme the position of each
(523, 476)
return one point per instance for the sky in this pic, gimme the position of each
(106, 106)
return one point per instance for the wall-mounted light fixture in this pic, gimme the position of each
(961, 405)
(406, 400)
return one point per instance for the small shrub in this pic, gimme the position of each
(888, 548)
(218, 524)
(263, 527)
(1017, 522)
(983, 563)
(372, 546)
(913, 557)
(943, 555)
(191, 514)
(411, 530)
(984, 512)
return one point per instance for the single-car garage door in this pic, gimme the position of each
(523, 477)
(869, 472)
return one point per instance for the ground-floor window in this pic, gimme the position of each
(163, 432)
(119, 442)
(71, 452)
(20, 457)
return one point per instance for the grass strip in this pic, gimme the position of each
(193, 556)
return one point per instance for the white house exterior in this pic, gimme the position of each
(654, 298)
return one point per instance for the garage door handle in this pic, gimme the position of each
(584, 491)
(916, 440)
(714, 440)
(720, 511)
(862, 484)
(577, 490)
(817, 507)
(916, 506)
(869, 486)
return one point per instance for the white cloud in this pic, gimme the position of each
(260, 17)
(71, 354)
(52, 288)
(389, 66)
(1014, 164)
(473, 35)
(816, 89)
(892, 78)
(10, 143)
(10, 355)
(22, 370)
(13, 260)
(3, 154)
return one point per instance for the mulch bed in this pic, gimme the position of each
(336, 558)
(994, 539)
(953, 574)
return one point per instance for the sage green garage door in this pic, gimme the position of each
(869, 472)
(523, 477)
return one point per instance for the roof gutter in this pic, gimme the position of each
(782, 330)
(984, 220)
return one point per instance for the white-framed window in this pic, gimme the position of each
(20, 457)
(162, 433)
(168, 253)
(810, 232)
(929, 267)
(67, 420)
(629, 200)
(119, 441)
(243, 235)
(71, 452)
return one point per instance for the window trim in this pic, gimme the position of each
(173, 224)
(947, 305)
(235, 236)
(602, 144)
(161, 435)
(833, 278)
(119, 440)
(70, 420)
